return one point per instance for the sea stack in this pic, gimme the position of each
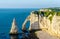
(14, 29)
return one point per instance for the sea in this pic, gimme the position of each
(7, 16)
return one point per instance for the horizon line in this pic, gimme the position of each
(28, 7)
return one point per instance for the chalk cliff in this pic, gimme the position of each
(47, 20)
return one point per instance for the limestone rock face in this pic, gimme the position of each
(55, 25)
(49, 29)
(14, 28)
(33, 18)
(53, 28)
(45, 35)
(50, 26)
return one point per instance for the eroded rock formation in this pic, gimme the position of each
(49, 23)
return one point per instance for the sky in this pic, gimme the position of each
(29, 3)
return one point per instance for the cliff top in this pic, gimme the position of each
(46, 12)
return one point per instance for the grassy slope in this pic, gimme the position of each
(47, 13)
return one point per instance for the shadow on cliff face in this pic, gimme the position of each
(29, 35)
(32, 35)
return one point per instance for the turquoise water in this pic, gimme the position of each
(6, 17)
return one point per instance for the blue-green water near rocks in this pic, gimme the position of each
(6, 18)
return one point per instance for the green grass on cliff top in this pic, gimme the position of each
(47, 13)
